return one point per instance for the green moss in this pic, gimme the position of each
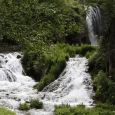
(4, 111)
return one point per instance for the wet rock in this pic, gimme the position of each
(19, 56)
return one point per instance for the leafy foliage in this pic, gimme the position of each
(103, 85)
(105, 88)
(33, 20)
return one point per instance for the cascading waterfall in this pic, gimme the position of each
(94, 24)
(73, 86)
(15, 88)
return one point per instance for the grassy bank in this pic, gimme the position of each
(46, 67)
(4, 111)
(101, 109)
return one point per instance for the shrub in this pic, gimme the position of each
(36, 104)
(101, 84)
(104, 88)
(24, 107)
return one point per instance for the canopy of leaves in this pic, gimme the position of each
(46, 20)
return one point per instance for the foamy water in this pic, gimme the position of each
(73, 86)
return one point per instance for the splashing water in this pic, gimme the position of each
(73, 86)
(94, 24)
(15, 88)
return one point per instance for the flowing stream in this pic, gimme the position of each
(73, 86)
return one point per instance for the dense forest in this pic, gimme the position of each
(48, 33)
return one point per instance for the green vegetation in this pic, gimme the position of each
(4, 111)
(101, 62)
(26, 22)
(104, 86)
(40, 29)
(48, 66)
(33, 104)
(101, 109)
(24, 107)
(36, 104)
(107, 41)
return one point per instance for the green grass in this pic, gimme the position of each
(4, 111)
(101, 109)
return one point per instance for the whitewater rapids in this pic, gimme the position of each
(73, 87)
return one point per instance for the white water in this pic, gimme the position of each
(73, 87)
(93, 20)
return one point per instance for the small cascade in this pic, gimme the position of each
(94, 24)
(15, 87)
(73, 86)
(9, 67)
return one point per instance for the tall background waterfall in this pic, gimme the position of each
(73, 86)
(94, 24)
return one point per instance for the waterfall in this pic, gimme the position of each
(15, 88)
(73, 86)
(94, 24)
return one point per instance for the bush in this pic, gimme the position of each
(24, 107)
(101, 85)
(36, 104)
(104, 88)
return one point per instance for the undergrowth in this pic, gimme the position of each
(46, 67)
